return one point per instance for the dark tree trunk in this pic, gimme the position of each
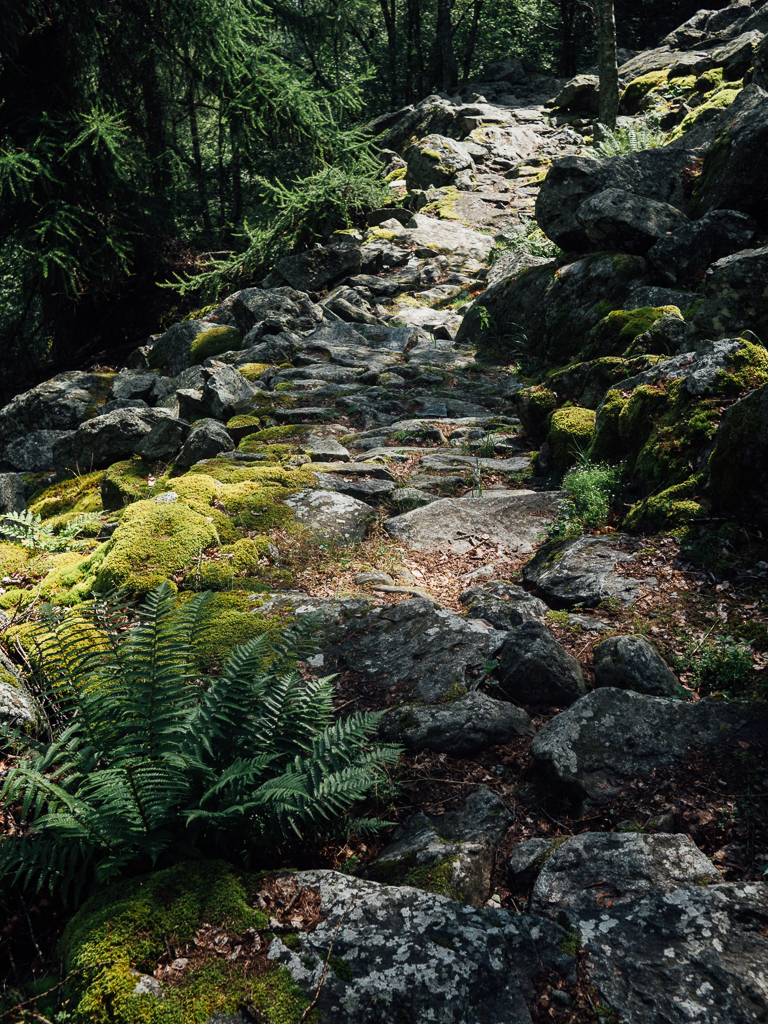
(472, 40)
(389, 21)
(415, 87)
(197, 157)
(446, 66)
(605, 27)
(568, 44)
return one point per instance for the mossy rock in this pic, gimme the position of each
(668, 511)
(68, 498)
(587, 383)
(232, 619)
(214, 341)
(535, 407)
(607, 445)
(718, 98)
(129, 926)
(738, 466)
(252, 371)
(633, 97)
(570, 431)
(616, 332)
(125, 482)
(235, 567)
(436, 877)
(290, 430)
(12, 558)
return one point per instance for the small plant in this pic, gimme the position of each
(531, 240)
(592, 490)
(152, 760)
(29, 529)
(633, 139)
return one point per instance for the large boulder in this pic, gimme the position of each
(735, 296)
(207, 439)
(61, 403)
(760, 77)
(222, 392)
(617, 219)
(738, 466)
(587, 871)
(689, 249)
(580, 93)
(260, 312)
(33, 453)
(330, 516)
(697, 953)
(502, 605)
(189, 343)
(459, 728)
(415, 649)
(535, 669)
(105, 439)
(452, 854)
(315, 269)
(610, 737)
(435, 161)
(632, 663)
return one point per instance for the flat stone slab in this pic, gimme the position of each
(440, 460)
(514, 521)
(329, 515)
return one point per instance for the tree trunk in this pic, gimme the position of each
(605, 27)
(389, 21)
(446, 66)
(472, 41)
(197, 156)
(568, 43)
(415, 86)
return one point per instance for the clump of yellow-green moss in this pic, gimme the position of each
(214, 341)
(570, 432)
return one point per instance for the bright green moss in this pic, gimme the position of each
(617, 331)
(67, 498)
(128, 927)
(668, 511)
(634, 94)
(214, 341)
(252, 371)
(232, 619)
(12, 558)
(397, 175)
(570, 432)
(747, 370)
(607, 445)
(535, 407)
(125, 482)
(280, 433)
(437, 877)
(234, 567)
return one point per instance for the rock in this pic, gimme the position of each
(417, 650)
(362, 490)
(325, 449)
(463, 727)
(587, 870)
(146, 985)
(363, 579)
(698, 953)
(738, 466)
(580, 93)
(61, 403)
(222, 392)
(149, 387)
(333, 614)
(760, 75)
(632, 663)
(616, 219)
(99, 442)
(610, 737)
(513, 521)
(206, 439)
(435, 161)
(164, 440)
(511, 263)
(416, 956)
(330, 516)
(650, 174)
(527, 857)
(314, 269)
(260, 312)
(511, 71)
(737, 56)
(18, 707)
(502, 605)
(582, 571)
(452, 854)
(535, 669)
(191, 342)
(410, 497)
(735, 297)
(33, 453)
(691, 248)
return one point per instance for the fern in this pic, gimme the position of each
(32, 532)
(639, 136)
(151, 759)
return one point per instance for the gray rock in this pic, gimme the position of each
(632, 663)
(580, 93)
(146, 985)
(587, 870)
(513, 521)
(535, 669)
(760, 77)
(206, 439)
(190, 342)
(61, 403)
(416, 649)
(610, 737)
(735, 297)
(164, 440)
(276, 310)
(149, 387)
(410, 497)
(325, 449)
(362, 490)
(436, 160)
(364, 578)
(617, 219)
(329, 515)
(460, 845)
(122, 403)
(511, 263)
(465, 726)
(33, 453)
(582, 571)
(223, 393)
(314, 269)
(415, 956)
(503, 605)
(698, 953)
(527, 857)
(99, 442)
(17, 705)
(699, 371)
(738, 466)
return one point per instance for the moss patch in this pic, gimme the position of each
(673, 508)
(617, 331)
(213, 342)
(125, 482)
(633, 96)
(570, 431)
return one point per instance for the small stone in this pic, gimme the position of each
(632, 663)
(365, 578)
(535, 669)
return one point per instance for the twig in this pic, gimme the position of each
(312, 1005)
(80, 970)
(29, 925)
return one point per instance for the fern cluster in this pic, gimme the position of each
(152, 760)
(633, 139)
(32, 532)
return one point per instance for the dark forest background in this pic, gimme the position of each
(142, 141)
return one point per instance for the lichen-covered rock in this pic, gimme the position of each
(503, 605)
(695, 953)
(610, 737)
(315, 269)
(735, 297)
(417, 649)
(329, 515)
(104, 439)
(617, 219)
(435, 161)
(12, 493)
(260, 312)
(18, 707)
(738, 467)
(459, 728)
(206, 439)
(61, 403)
(582, 571)
(632, 663)
(452, 855)
(189, 343)
(535, 669)
(587, 870)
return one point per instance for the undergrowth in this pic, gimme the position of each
(592, 490)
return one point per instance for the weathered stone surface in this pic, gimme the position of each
(761, 65)
(164, 439)
(150, 387)
(418, 956)
(417, 649)
(206, 439)
(738, 467)
(272, 311)
(190, 342)
(702, 952)
(325, 449)
(221, 392)
(513, 521)
(503, 605)
(617, 219)
(329, 515)
(587, 870)
(511, 263)
(581, 571)
(33, 453)
(632, 663)
(465, 726)
(690, 249)
(435, 161)
(580, 93)
(314, 269)
(17, 705)
(105, 439)
(735, 297)
(458, 846)
(535, 669)
(526, 860)
(61, 403)
(362, 490)
(610, 737)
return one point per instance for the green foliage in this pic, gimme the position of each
(592, 489)
(531, 240)
(639, 136)
(720, 665)
(151, 759)
(29, 529)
